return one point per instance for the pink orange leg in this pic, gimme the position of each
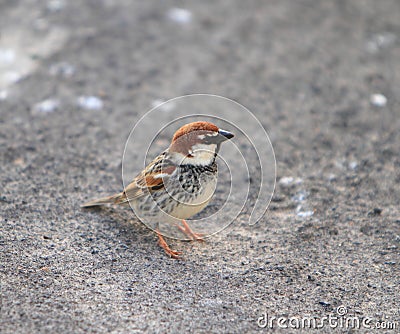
(188, 231)
(167, 249)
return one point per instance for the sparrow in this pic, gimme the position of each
(178, 183)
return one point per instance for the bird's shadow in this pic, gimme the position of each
(124, 225)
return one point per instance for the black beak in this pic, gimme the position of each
(225, 134)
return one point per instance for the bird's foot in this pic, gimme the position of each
(188, 231)
(167, 249)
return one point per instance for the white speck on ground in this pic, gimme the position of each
(90, 102)
(303, 213)
(353, 165)
(7, 56)
(3, 95)
(180, 15)
(287, 181)
(380, 41)
(46, 106)
(331, 177)
(378, 100)
(55, 5)
(12, 77)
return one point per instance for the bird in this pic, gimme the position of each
(177, 184)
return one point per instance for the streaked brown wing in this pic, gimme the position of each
(151, 179)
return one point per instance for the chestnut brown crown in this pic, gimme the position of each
(195, 127)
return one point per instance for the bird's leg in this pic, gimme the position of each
(188, 231)
(167, 249)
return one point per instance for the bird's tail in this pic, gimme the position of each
(114, 199)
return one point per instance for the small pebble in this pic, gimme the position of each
(378, 100)
(380, 41)
(90, 102)
(300, 196)
(19, 162)
(46, 106)
(375, 212)
(303, 214)
(287, 181)
(12, 77)
(55, 5)
(180, 15)
(3, 95)
(353, 165)
(7, 56)
(332, 177)
(391, 263)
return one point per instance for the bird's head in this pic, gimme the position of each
(197, 143)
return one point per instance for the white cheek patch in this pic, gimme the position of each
(203, 154)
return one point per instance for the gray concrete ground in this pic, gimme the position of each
(323, 78)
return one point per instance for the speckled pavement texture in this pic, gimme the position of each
(323, 77)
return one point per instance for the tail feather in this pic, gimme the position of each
(114, 199)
